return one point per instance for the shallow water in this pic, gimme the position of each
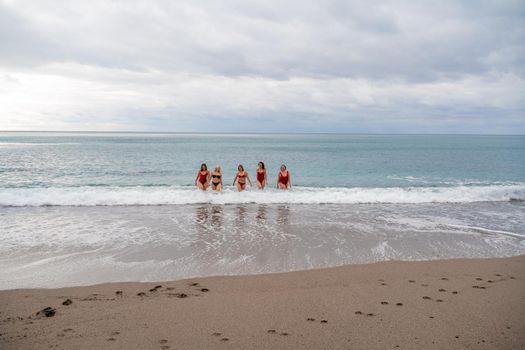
(59, 246)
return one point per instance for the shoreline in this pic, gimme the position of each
(455, 303)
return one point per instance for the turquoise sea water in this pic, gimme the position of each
(110, 169)
(81, 208)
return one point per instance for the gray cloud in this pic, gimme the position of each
(370, 66)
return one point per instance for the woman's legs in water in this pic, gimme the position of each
(283, 186)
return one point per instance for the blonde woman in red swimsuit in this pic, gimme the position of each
(284, 179)
(241, 178)
(202, 180)
(261, 176)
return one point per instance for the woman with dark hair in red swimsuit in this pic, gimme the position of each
(202, 180)
(284, 179)
(261, 176)
(241, 178)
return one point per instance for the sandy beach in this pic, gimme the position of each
(448, 304)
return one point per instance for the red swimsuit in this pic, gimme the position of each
(203, 177)
(260, 176)
(239, 177)
(283, 179)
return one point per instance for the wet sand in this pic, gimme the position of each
(448, 304)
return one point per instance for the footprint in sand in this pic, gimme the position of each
(411, 281)
(163, 343)
(67, 302)
(442, 290)
(370, 314)
(118, 292)
(424, 285)
(141, 294)
(180, 295)
(444, 279)
(48, 312)
(225, 339)
(512, 277)
(194, 284)
(170, 288)
(427, 298)
(271, 331)
(324, 321)
(216, 334)
(310, 319)
(384, 303)
(399, 304)
(479, 279)
(439, 300)
(111, 339)
(205, 290)
(284, 334)
(497, 274)
(358, 313)
(455, 292)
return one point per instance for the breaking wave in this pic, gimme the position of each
(165, 195)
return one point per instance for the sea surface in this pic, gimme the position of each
(85, 208)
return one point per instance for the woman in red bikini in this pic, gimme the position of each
(284, 179)
(241, 178)
(202, 180)
(261, 176)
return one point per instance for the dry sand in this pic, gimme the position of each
(451, 304)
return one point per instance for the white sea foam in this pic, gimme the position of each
(158, 195)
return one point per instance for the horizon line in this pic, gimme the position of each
(255, 132)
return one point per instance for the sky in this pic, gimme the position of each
(263, 66)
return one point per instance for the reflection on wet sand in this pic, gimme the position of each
(240, 217)
(201, 216)
(261, 213)
(283, 215)
(240, 234)
(216, 217)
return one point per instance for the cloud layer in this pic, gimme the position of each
(360, 66)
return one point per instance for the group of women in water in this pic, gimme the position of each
(205, 178)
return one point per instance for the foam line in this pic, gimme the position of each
(162, 195)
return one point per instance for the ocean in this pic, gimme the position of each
(85, 208)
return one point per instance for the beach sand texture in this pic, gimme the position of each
(448, 304)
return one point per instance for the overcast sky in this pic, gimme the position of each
(269, 66)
